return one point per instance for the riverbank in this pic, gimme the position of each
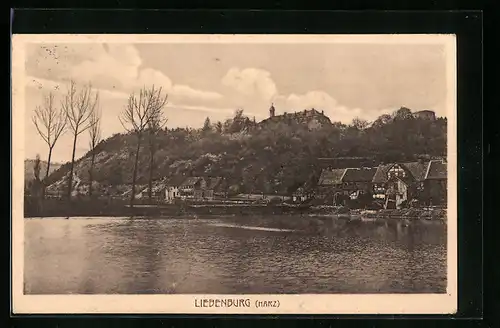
(118, 208)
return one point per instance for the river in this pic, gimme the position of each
(222, 255)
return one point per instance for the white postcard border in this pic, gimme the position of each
(183, 303)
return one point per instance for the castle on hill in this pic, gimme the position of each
(312, 117)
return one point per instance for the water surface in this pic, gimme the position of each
(221, 255)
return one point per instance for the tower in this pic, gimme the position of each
(272, 111)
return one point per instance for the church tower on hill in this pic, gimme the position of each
(272, 111)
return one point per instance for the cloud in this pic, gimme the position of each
(251, 82)
(60, 87)
(119, 63)
(188, 92)
(314, 99)
(119, 66)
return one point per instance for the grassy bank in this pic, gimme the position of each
(407, 214)
(117, 207)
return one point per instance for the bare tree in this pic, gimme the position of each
(78, 106)
(50, 123)
(156, 123)
(95, 138)
(136, 118)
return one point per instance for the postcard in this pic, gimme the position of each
(234, 174)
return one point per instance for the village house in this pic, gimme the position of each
(397, 183)
(128, 192)
(330, 181)
(157, 191)
(302, 194)
(358, 181)
(172, 186)
(340, 184)
(212, 186)
(192, 188)
(436, 183)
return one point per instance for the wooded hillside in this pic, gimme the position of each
(277, 157)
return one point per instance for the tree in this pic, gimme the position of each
(36, 168)
(137, 117)
(155, 125)
(382, 120)
(403, 113)
(50, 124)
(219, 127)
(207, 126)
(36, 186)
(78, 105)
(95, 138)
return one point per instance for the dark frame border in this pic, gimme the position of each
(467, 25)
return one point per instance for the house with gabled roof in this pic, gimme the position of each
(397, 183)
(436, 182)
(330, 181)
(172, 186)
(192, 187)
(213, 184)
(341, 184)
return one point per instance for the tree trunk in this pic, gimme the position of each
(151, 167)
(72, 167)
(134, 175)
(44, 185)
(91, 171)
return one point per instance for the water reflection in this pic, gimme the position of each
(211, 255)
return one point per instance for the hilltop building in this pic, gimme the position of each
(272, 111)
(425, 114)
(312, 118)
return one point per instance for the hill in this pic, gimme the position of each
(275, 157)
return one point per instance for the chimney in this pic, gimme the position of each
(322, 112)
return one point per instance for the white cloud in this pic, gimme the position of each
(60, 87)
(315, 99)
(251, 82)
(119, 65)
(188, 92)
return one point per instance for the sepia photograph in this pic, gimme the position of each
(234, 173)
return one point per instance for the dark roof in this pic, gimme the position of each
(191, 181)
(380, 175)
(424, 111)
(437, 170)
(364, 174)
(175, 181)
(299, 191)
(213, 183)
(331, 177)
(416, 169)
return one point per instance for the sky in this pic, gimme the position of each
(345, 80)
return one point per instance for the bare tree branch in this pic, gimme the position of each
(95, 138)
(79, 106)
(143, 112)
(95, 127)
(50, 124)
(49, 121)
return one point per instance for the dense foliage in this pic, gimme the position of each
(276, 157)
